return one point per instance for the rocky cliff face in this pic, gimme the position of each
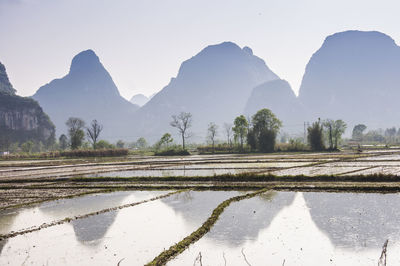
(21, 118)
(87, 92)
(354, 76)
(213, 86)
(5, 85)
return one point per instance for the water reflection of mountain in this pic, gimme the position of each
(354, 220)
(7, 218)
(244, 220)
(195, 206)
(241, 221)
(93, 228)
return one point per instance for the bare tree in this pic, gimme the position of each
(228, 132)
(182, 122)
(212, 133)
(93, 132)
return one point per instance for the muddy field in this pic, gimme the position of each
(27, 181)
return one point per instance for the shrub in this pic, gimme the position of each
(95, 153)
(172, 152)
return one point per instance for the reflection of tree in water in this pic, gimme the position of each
(356, 219)
(243, 220)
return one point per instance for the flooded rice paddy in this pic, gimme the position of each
(290, 228)
(112, 221)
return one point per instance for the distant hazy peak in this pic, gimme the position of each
(139, 99)
(214, 60)
(248, 50)
(354, 38)
(5, 85)
(224, 46)
(85, 61)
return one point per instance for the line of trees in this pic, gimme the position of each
(387, 136)
(329, 131)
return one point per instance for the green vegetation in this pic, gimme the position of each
(316, 136)
(164, 142)
(103, 144)
(75, 131)
(212, 134)
(173, 151)
(265, 128)
(294, 145)
(358, 131)
(334, 131)
(240, 129)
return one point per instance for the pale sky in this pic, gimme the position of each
(142, 43)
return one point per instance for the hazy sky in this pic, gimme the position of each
(143, 43)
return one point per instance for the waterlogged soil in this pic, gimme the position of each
(132, 236)
(289, 228)
(27, 181)
(16, 196)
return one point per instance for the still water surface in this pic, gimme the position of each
(135, 234)
(302, 229)
(275, 228)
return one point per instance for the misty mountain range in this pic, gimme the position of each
(354, 76)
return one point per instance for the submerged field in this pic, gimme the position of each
(287, 209)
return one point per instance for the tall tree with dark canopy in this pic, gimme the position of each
(358, 131)
(315, 136)
(93, 132)
(329, 124)
(63, 141)
(265, 127)
(338, 130)
(240, 129)
(75, 131)
(182, 122)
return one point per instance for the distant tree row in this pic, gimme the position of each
(387, 136)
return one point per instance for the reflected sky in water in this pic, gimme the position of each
(302, 229)
(136, 234)
(298, 228)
